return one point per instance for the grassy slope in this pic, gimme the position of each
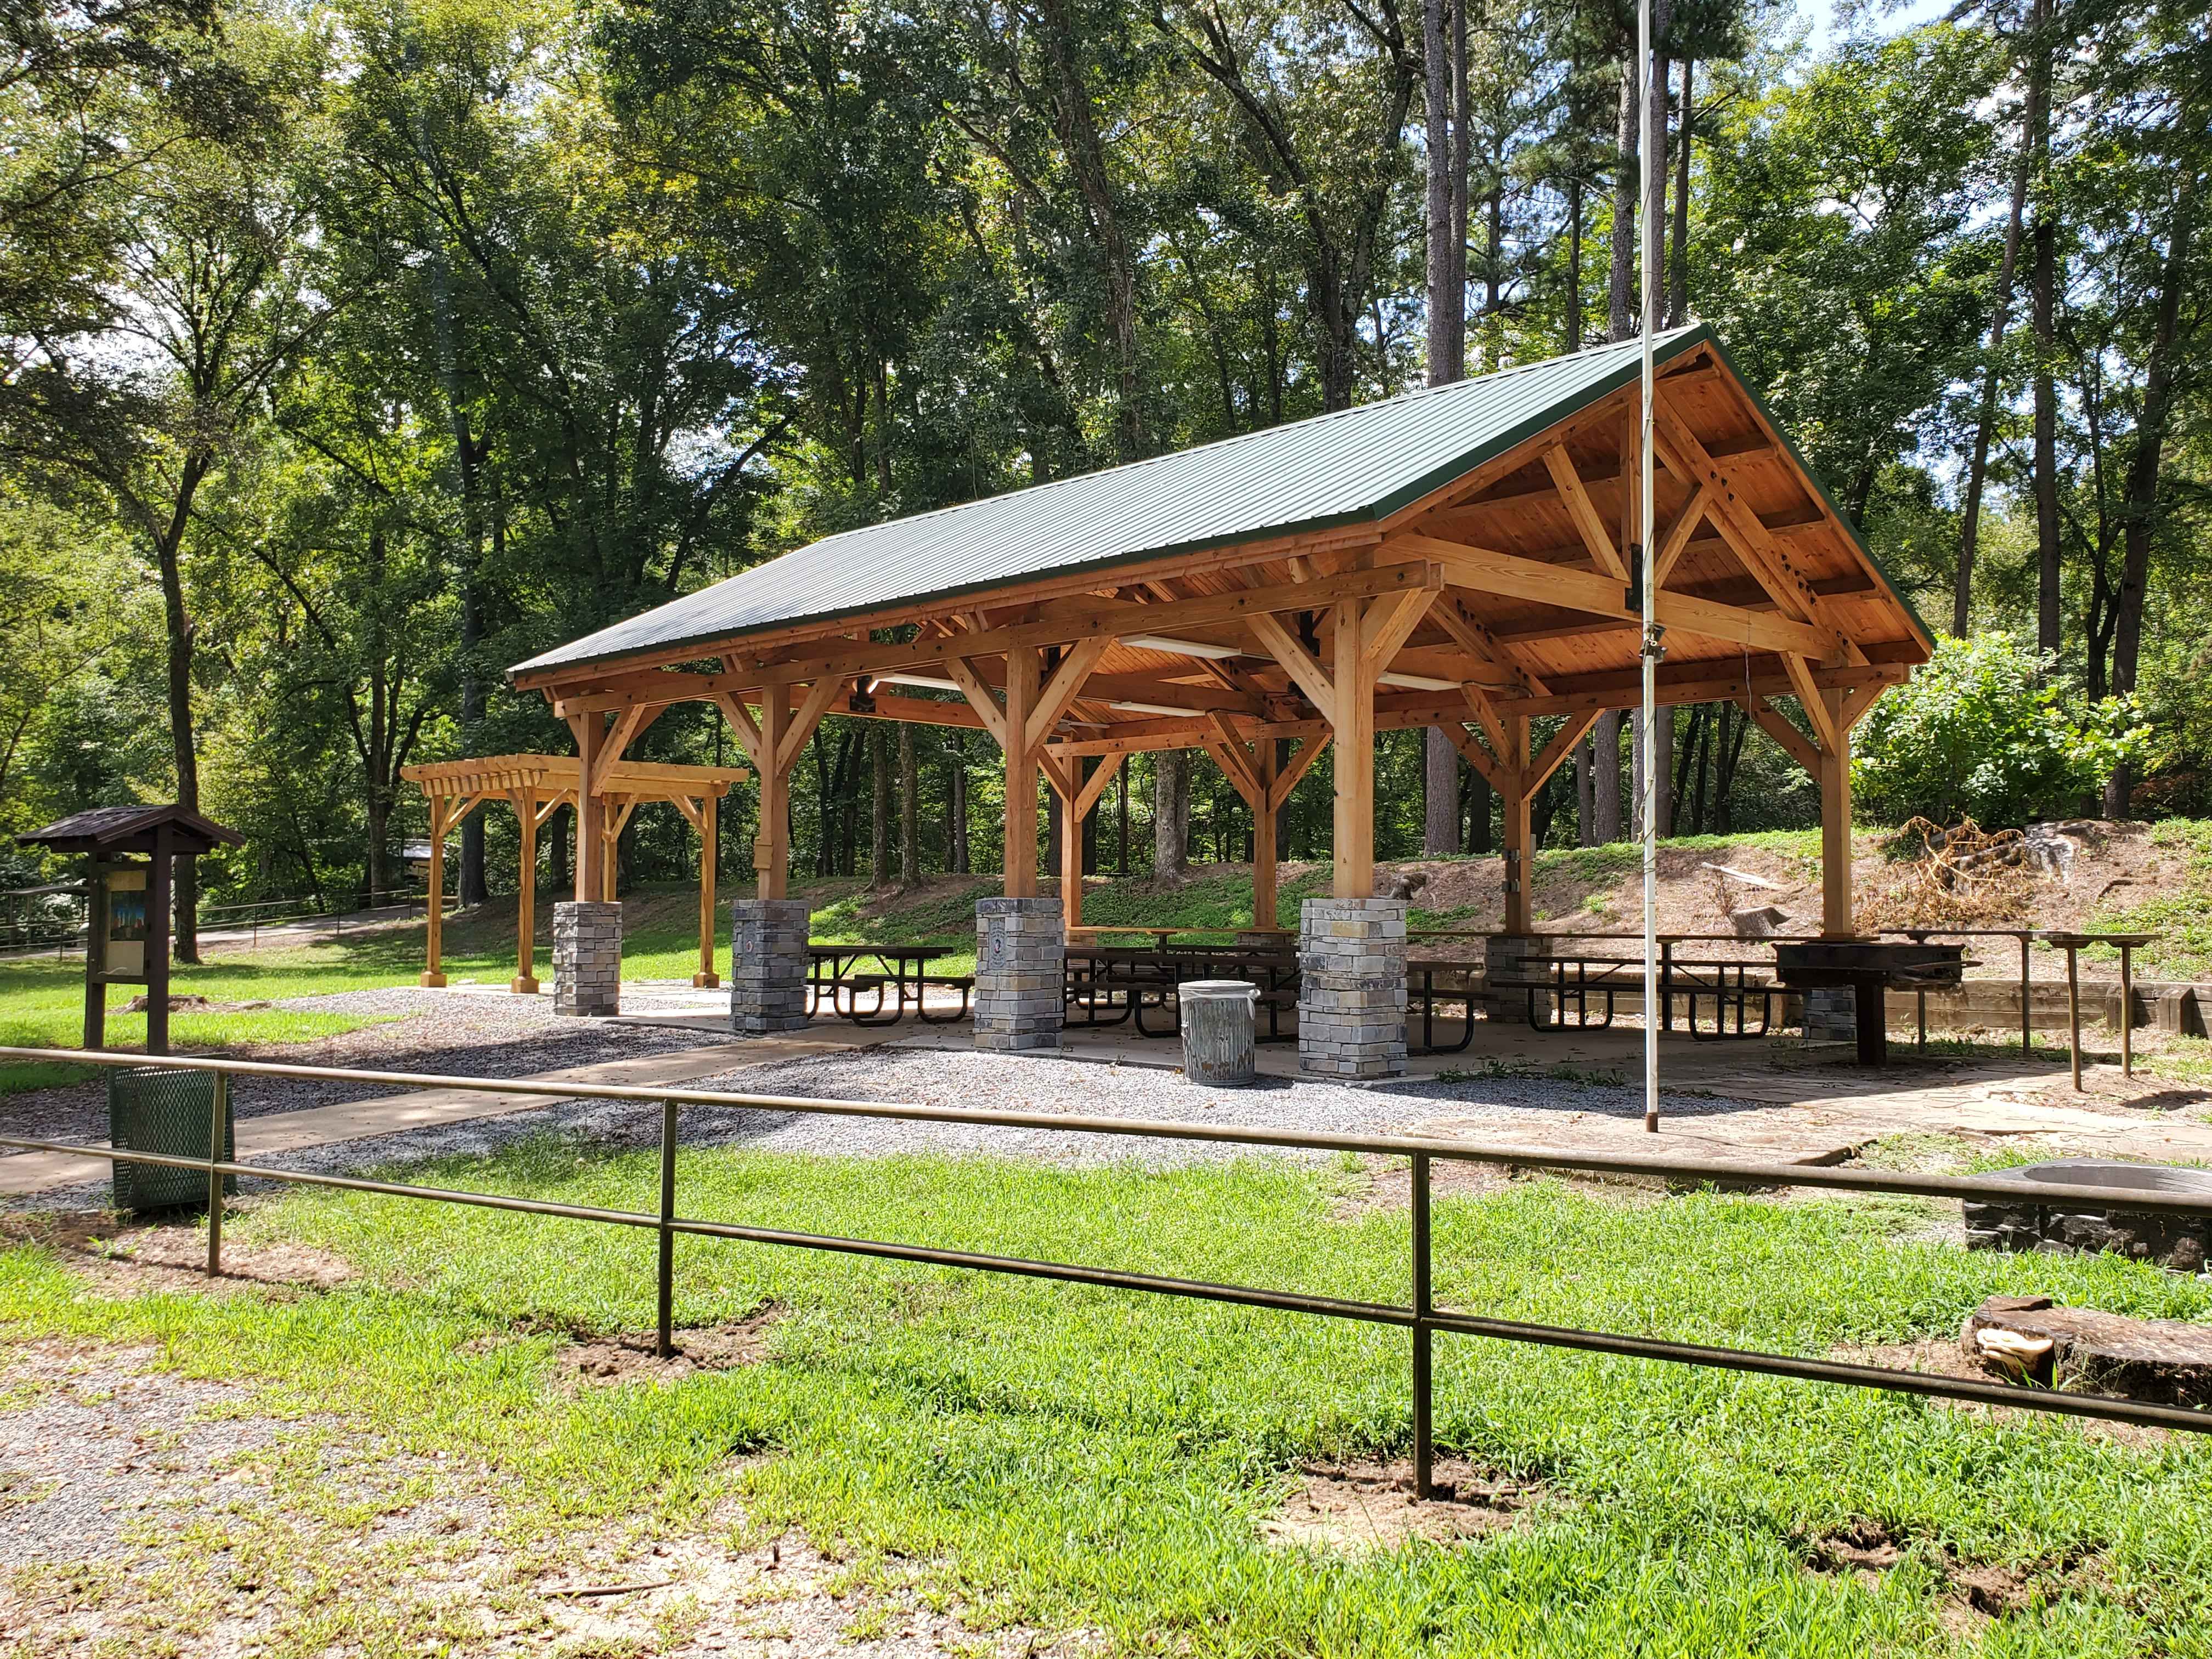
(1085, 1458)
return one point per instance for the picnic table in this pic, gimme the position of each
(1108, 984)
(905, 970)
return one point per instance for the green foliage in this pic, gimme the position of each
(1985, 730)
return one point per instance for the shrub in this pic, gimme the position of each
(1985, 729)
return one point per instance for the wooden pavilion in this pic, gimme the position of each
(534, 785)
(1461, 557)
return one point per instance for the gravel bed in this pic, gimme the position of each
(1026, 1083)
(461, 1035)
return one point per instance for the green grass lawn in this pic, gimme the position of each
(1068, 1458)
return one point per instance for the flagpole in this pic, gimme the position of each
(1647, 787)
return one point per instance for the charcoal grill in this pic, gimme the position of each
(1870, 970)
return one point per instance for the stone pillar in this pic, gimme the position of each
(586, 957)
(1351, 987)
(1831, 1016)
(1508, 958)
(1021, 958)
(767, 965)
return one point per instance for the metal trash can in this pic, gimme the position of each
(153, 1108)
(1219, 1047)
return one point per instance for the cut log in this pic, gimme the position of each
(2166, 1362)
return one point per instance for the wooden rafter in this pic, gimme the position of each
(1793, 743)
(1583, 511)
(1815, 703)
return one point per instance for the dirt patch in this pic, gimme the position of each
(1939, 1357)
(125, 1259)
(1976, 1593)
(630, 1356)
(1349, 1508)
(143, 1512)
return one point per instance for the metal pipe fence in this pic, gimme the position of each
(1420, 1316)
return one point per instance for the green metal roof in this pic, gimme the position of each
(1352, 466)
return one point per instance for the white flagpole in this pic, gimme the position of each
(1653, 760)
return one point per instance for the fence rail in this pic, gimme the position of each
(1420, 1317)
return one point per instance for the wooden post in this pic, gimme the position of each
(1071, 849)
(96, 923)
(524, 983)
(707, 852)
(1520, 868)
(1021, 859)
(1835, 772)
(609, 831)
(772, 847)
(591, 733)
(157, 943)
(1263, 836)
(433, 930)
(1355, 759)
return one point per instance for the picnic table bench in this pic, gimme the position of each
(904, 970)
(1110, 984)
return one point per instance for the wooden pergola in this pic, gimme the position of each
(534, 785)
(1461, 557)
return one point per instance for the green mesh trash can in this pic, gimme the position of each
(152, 1109)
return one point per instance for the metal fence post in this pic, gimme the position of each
(666, 1345)
(1424, 1424)
(216, 1118)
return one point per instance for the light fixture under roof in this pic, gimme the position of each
(927, 683)
(1157, 708)
(1417, 683)
(1182, 647)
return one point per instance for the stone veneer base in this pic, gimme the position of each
(767, 965)
(1021, 957)
(586, 958)
(1351, 987)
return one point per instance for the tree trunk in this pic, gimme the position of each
(1605, 761)
(1678, 294)
(1585, 796)
(1620, 317)
(955, 804)
(880, 833)
(1447, 320)
(1574, 266)
(1440, 795)
(2049, 616)
(909, 808)
(169, 550)
(1170, 813)
(1970, 519)
(2144, 466)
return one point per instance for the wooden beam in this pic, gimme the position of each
(1486, 715)
(1556, 751)
(1072, 622)
(1021, 802)
(1308, 674)
(1386, 625)
(1507, 573)
(1354, 814)
(1809, 694)
(1479, 643)
(1485, 763)
(818, 697)
(1095, 785)
(962, 673)
(1777, 726)
(1838, 917)
(627, 726)
(1857, 701)
(709, 928)
(745, 728)
(1067, 680)
(1677, 537)
(1583, 511)
(1733, 516)
(1235, 763)
(1301, 761)
(1520, 861)
(524, 983)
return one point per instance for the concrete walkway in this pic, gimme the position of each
(276, 1132)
